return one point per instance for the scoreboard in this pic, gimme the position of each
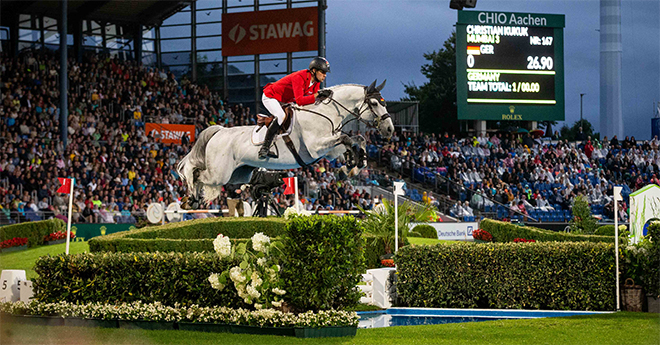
(510, 66)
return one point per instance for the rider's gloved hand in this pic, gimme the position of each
(323, 94)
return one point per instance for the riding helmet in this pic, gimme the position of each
(320, 64)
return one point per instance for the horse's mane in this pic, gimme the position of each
(342, 85)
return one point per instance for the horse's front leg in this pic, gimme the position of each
(328, 145)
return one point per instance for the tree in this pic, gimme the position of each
(582, 222)
(437, 97)
(570, 133)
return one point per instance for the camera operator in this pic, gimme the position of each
(235, 199)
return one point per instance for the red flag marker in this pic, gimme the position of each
(289, 182)
(66, 185)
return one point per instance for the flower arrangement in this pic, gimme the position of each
(522, 240)
(292, 212)
(14, 242)
(58, 236)
(194, 313)
(257, 278)
(483, 235)
(387, 262)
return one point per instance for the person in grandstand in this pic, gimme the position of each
(301, 87)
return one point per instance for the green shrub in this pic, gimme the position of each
(507, 232)
(195, 235)
(426, 231)
(583, 222)
(608, 230)
(122, 277)
(554, 275)
(34, 231)
(652, 274)
(374, 249)
(323, 261)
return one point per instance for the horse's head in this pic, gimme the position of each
(378, 109)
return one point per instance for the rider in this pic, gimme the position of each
(301, 87)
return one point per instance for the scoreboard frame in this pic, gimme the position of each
(506, 111)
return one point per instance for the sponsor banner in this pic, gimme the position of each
(169, 133)
(267, 32)
(453, 231)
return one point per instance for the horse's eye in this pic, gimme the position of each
(373, 101)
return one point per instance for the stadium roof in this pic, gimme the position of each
(145, 12)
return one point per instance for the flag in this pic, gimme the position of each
(289, 183)
(66, 185)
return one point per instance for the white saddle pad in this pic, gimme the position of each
(259, 133)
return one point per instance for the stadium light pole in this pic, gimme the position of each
(64, 76)
(581, 95)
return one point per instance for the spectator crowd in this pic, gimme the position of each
(119, 169)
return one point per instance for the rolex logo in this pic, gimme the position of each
(237, 33)
(512, 109)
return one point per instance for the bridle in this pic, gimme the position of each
(357, 115)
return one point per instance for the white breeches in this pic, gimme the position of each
(274, 108)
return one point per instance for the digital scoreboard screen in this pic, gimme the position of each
(509, 66)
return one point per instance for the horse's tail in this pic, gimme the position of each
(195, 160)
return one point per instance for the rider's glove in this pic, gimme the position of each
(323, 94)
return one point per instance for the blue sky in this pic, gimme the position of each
(368, 39)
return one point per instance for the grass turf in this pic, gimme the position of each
(25, 259)
(619, 328)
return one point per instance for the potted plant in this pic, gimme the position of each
(379, 223)
(57, 238)
(14, 244)
(482, 236)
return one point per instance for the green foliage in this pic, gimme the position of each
(651, 278)
(380, 223)
(507, 232)
(570, 133)
(194, 236)
(168, 278)
(582, 222)
(323, 262)
(437, 97)
(426, 231)
(34, 231)
(556, 275)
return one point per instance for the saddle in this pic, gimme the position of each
(265, 120)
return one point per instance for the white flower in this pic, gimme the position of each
(259, 242)
(222, 246)
(215, 282)
(261, 261)
(276, 303)
(253, 292)
(279, 291)
(256, 281)
(236, 275)
(258, 306)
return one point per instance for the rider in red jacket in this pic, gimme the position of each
(300, 87)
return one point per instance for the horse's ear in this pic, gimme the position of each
(381, 86)
(372, 87)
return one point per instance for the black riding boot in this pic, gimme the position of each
(270, 134)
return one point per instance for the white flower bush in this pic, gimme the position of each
(256, 280)
(222, 246)
(291, 212)
(158, 312)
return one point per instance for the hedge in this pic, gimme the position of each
(122, 277)
(507, 232)
(323, 261)
(194, 235)
(550, 275)
(426, 231)
(653, 270)
(34, 231)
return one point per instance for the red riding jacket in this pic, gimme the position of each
(293, 88)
